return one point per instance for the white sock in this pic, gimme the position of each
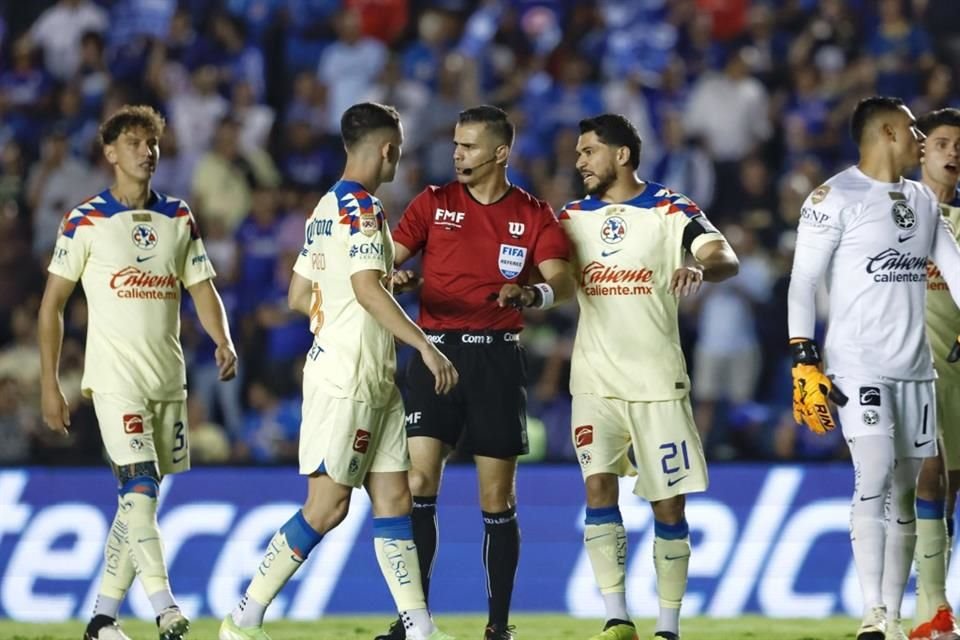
(616, 605)
(417, 623)
(873, 462)
(248, 612)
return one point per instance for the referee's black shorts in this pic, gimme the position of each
(487, 408)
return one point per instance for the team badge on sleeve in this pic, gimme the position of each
(369, 224)
(819, 194)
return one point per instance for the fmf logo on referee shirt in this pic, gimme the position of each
(512, 259)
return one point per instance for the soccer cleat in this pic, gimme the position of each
(496, 632)
(874, 625)
(894, 630)
(103, 627)
(943, 626)
(617, 630)
(230, 631)
(396, 632)
(172, 624)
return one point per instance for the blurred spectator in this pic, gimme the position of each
(20, 360)
(237, 60)
(729, 111)
(727, 355)
(208, 442)
(174, 174)
(226, 175)
(93, 75)
(59, 29)
(25, 94)
(17, 423)
(270, 427)
(901, 49)
(255, 120)
(384, 20)
(349, 66)
(409, 97)
(196, 111)
(684, 165)
(308, 104)
(304, 162)
(938, 92)
(56, 183)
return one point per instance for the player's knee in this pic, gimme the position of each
(325, 514)
(391, 501)
(423, 482)
(669, 510)
(602, 490)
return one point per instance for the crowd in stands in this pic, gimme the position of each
(742, 105)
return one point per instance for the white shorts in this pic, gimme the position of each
(948, 419)
(140, 430)
(904, 410)
(666, 445)
(730, 377)
(347, 439)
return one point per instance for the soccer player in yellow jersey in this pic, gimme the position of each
(353, 429)
(132, 248)
(628, 379)
(940, 475)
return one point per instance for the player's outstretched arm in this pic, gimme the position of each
(558, 285)
(213, 318)
(377, 301)
(56, 412)
(946, 255)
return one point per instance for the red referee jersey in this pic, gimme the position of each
(470, 250)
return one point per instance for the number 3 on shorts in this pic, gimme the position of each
(179, 439)
(667, 461)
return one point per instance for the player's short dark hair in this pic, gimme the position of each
(946, 117)
(615, 130)
(364, 118)
(495, 118)
(132, 116)
(867, 109)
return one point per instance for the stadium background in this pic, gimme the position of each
(741, 105)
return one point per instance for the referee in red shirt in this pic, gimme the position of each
(482, 240)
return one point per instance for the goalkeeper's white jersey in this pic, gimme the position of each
(132, 263)
(872, 241)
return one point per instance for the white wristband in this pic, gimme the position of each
(546, 295)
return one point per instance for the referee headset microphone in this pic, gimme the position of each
(469, 170)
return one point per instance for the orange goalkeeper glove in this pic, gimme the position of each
(812, 389)
(954, 354)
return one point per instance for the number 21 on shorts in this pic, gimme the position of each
(670, 462)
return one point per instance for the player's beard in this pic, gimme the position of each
(603, 181)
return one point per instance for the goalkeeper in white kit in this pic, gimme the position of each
(870, 232)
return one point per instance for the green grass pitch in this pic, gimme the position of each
(529, 627)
